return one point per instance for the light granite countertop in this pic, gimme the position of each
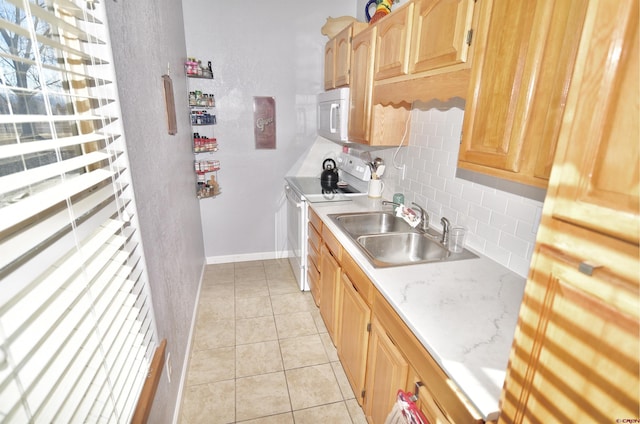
(463, 312)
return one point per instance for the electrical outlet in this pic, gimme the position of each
(169, 367)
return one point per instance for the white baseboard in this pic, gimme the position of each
(248, 257)
(185, 365)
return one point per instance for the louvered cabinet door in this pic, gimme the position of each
(576, 349)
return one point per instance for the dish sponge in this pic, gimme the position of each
(408, 214)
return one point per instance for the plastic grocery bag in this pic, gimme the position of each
(405, 411)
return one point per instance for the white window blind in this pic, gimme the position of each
(76, 324)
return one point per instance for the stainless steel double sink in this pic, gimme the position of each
(388, 240)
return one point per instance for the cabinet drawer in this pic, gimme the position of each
(358, 278)
(314, 257)
(314, 283)
(453, 403)
(314, 237)
(315, 220)
(332, 243)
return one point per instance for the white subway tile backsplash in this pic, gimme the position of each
(481, 213)
(495, 201)
(521, 211)
(520, 265)
(516, 246)
(488, 233)
(501, 225)
(497, 253)
(471, 193)
(503, 222)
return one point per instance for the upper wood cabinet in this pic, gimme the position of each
(369, 123)
(337, 57)
(600, 181)
(576, 350)
(441, 34)
(361, 88)
(523, 64)
(392, 43)
(330, 64)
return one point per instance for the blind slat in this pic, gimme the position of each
(17, 149)
(32, 176)
(24, 209)
(27, 119)
(43, 232)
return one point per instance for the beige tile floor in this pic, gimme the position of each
(261, 353)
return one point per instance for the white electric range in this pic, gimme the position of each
(354, 175)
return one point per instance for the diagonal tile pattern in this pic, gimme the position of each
(261, 353)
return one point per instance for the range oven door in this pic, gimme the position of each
(297, 235)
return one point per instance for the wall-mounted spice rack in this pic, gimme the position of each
(202, 114)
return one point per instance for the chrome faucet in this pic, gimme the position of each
(424, 217)
(386, 202)
(445, 230)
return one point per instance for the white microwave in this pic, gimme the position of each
(333, 114)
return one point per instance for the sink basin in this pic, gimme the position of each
(357, 224)
(395, 249)
(402, 248)
(388, 240)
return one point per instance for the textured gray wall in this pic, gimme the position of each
(148, 36)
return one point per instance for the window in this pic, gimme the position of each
(76, 324)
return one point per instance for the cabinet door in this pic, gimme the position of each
(343, 57)
(576, 348)
(387, 372)
(329, 64)
(354, 318)
(523, 65)
(360, 92)
(330, 278)
(392, 44)
(599, 174)
(440, 31)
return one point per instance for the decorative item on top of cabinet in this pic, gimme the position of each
(202, 115)
(372, 124)
(522, 66)
(337, 57)
(576, 351)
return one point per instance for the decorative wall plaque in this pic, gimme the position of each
(264, 122)
(170, 105)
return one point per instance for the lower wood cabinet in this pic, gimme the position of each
(354, 322)
(387, 371)
(378, 352)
